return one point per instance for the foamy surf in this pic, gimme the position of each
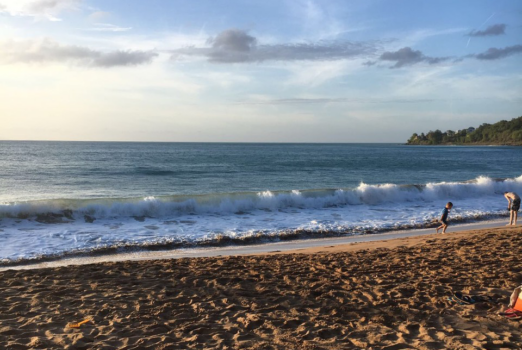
(53, 229)
(240, 203)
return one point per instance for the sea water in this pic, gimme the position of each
(61, 199)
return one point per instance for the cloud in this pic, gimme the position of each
(233, 40)
(123, 58)
(496, 29)
(107, 27)
(231, 46)
(495, 54)
(47, 9)
(49, 51)
(98, 16)
(319, 19)
(42, 6)
(286, 101)
(407, 57)
(234, 45)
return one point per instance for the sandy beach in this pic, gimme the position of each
(369, 295)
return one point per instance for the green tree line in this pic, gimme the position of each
(502, 133)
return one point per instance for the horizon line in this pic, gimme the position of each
(252, 142)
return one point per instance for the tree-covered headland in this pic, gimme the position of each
(502, 133)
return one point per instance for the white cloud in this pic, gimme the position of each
(445, 83)
(107, 27)
(224, 79)
(413, 38)
(99, 16)
(45, 9)
(312, 74)
(319, 22)
(162, 41)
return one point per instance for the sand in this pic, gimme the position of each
(374, 295)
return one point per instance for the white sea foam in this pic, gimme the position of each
(28, 232)
(364, 194)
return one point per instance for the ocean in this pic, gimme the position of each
(63, 199)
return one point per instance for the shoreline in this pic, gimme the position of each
(462, 144)
(287, 247)
(389, 295)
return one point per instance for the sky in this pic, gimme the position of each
(256, 70)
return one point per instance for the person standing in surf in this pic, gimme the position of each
(444, 217)
(513, 207)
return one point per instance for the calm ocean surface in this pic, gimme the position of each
(65, 198)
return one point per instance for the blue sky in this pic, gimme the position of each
(256, 71)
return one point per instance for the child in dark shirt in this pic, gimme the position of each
(444, 217)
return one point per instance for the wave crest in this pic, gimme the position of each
(227, 204)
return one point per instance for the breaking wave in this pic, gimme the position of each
(238, 203)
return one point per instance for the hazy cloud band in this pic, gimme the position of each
(234, 46)
(49, 51)
(495, 54)
(496, 29)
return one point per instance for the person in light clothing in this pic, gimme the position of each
(513, 207)
(514, 299)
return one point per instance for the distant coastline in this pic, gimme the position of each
(502, 133)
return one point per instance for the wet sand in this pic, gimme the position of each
(299, 245)
(379, 295)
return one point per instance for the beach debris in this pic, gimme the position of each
(462, 299)
(511, 314)
(77, 325)
(456, 300)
